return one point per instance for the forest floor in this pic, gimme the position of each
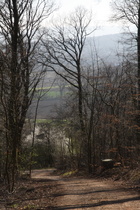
(49, 191)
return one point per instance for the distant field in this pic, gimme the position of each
(50, 87)
(51, 98)
(50, 92)
(47, 108)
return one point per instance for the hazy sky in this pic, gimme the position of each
(101, 11)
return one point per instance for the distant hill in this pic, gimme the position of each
(107, 47)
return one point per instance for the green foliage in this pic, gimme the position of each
(25, 158)
(14, 206)
(42, 156)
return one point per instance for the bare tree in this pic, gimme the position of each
(20, 74)
(63, 52)
(129, 11)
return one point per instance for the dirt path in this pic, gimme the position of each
(80, 193)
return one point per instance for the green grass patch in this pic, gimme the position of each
(41, 121)
(29, 207)
(70, 173)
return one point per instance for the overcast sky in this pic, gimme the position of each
(101, 11)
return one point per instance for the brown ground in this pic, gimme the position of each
(48, 191)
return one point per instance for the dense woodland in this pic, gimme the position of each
(99, 117)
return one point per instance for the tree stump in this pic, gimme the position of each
(107, 163)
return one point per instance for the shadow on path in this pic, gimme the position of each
(102, 203)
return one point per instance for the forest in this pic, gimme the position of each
(96, 119)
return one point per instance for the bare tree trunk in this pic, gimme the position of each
(19, 24)
(138, 78)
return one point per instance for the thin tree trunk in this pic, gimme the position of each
(138, 77)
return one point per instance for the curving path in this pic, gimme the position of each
(87, 193)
